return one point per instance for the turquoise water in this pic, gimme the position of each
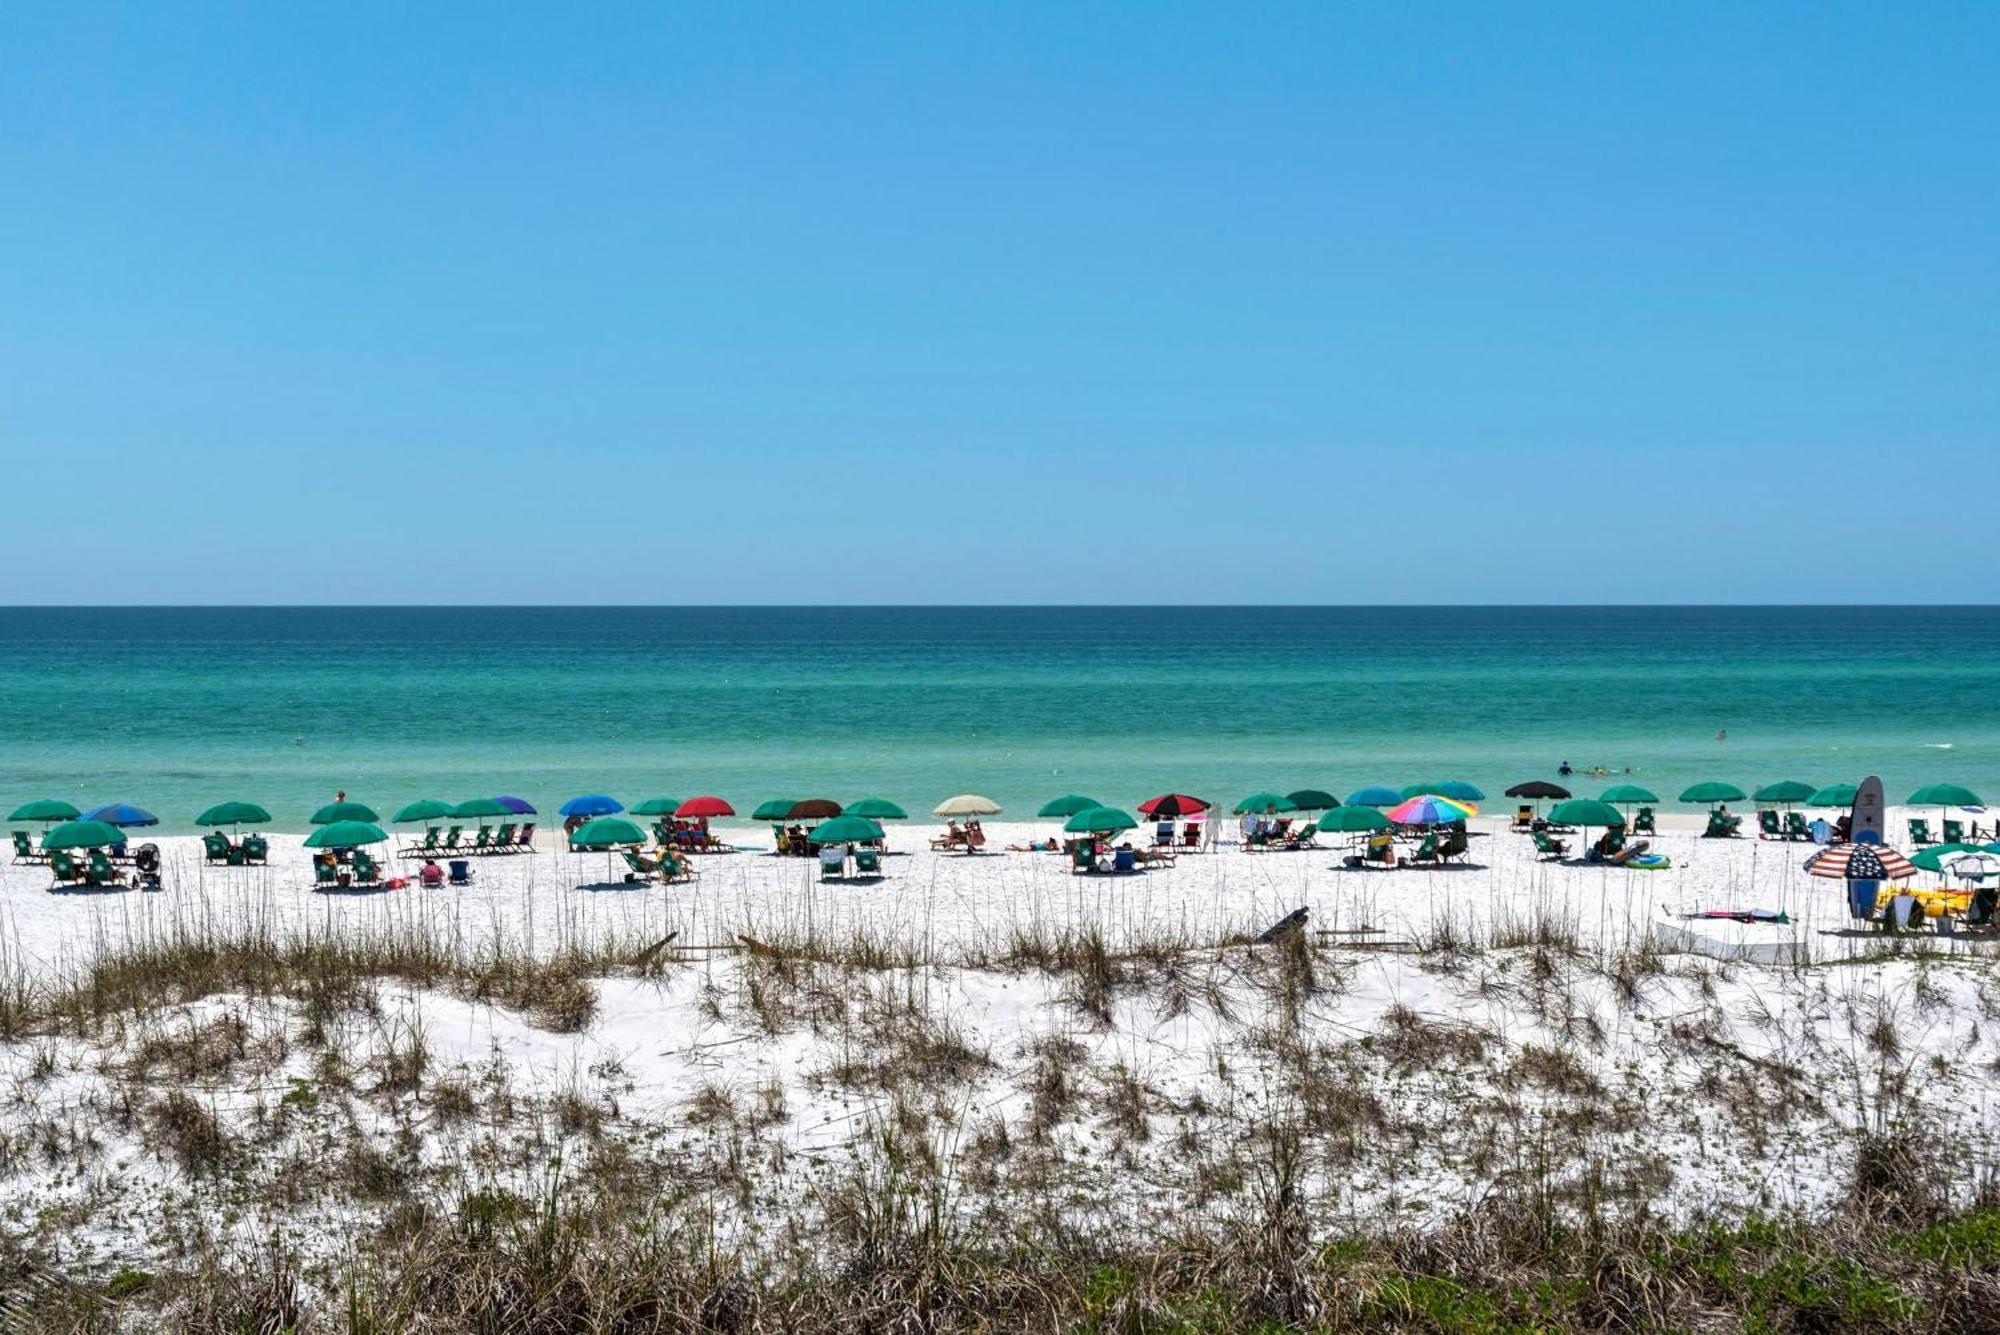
(175, 708)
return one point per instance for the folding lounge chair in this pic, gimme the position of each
(256, 850)
(461, 872)
(24, 848)
(101, 871)
(867, 862)
(450, 844)
(503, 842)
(424, 849)
(1427, 851)
(483, 841)
(215, 850)
(833, 863)
(674, 867)
(325, 873)
(1456, 845)
(1719, 826)
(1549, 848)
(1124, 860)
(640, 863)
(1796, 828)
(1083, 858)
(1954, 831)
(525, 840)
(1524, 818)
(1642, 821)
(366, 870)
(1768, 826)
(1920, 831)
(64, 868)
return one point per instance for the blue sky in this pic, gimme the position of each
(1430, 303)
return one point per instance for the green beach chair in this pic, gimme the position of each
(1920, 831)
(1768, 826)
(1719, 826)
(450, 844)
(101, 871)
(675, 868)
(256, 850)
(1796, 827)
(1954, 831)
(424, 849)
(640, 863)
(867, 862)
(63, 866)
(215, 849)
(1457, 844)
(483, 841)
(503, 842)
(1082, 858)
(325, 873)
(1427, 851)
(1547, 847)
(24, 848)
(1642, 821)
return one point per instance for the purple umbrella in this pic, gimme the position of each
(519, 806)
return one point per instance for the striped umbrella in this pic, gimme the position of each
(1431, 809)
(1861, 862)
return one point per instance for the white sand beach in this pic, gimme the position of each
(1467, 1011)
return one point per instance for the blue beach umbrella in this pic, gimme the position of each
(591, 804)
(1375, 795)
(121, 814)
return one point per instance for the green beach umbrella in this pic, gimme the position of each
(844, 830)
(877, 809)
(1311, 799)
(424, 808)
(82, 834)
(346, 834)
(48, 809)
(339, 811)
(1713, 791)
(1059, 808)
(1353, 820)
(1623, 793)
(1099, 820)
(1584, 811)
(1375, 795)
(1263, 802)
(1458, 790)
(775, 809)
(1933, 857)
(664, 806)
(1833, 795)
(1944, 795)
(606, 832)
(480, 808)
(234, 813)
(1784, 792)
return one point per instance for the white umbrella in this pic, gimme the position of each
(966, 804)
(1968, 866)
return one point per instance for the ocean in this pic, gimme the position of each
(175, 708)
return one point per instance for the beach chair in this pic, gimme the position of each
(867, 862)
(1547, 847)
(1796, 827)
(1524, 818)
(366, 870)
(24, 848)
(1768, 826)
(1920, 831)
(1954, 831)
(450, 842)
(525, 840)
(325, 873)
(833, 863)
(1082, 858)
(640, 863)
(1457, 844)
(1426, 851)
(949, 840)
(424, 849)
(215, 850)
(101, 871)
(1719, 826)
(503, 841)
(460, 872)
(674, 867)
(1306, 836)
(63, 867)
(1642, 821)
(483, 841)
(256, 850)
(1124, 860)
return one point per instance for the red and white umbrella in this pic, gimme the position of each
(1861, 862)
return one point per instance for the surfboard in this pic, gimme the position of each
(1865, 827)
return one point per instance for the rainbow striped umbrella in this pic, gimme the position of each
(1431, 809)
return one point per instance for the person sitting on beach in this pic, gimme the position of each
(431, 875)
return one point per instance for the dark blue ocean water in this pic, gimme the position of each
(175, 708)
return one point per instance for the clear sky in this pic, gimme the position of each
(1022, 302)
